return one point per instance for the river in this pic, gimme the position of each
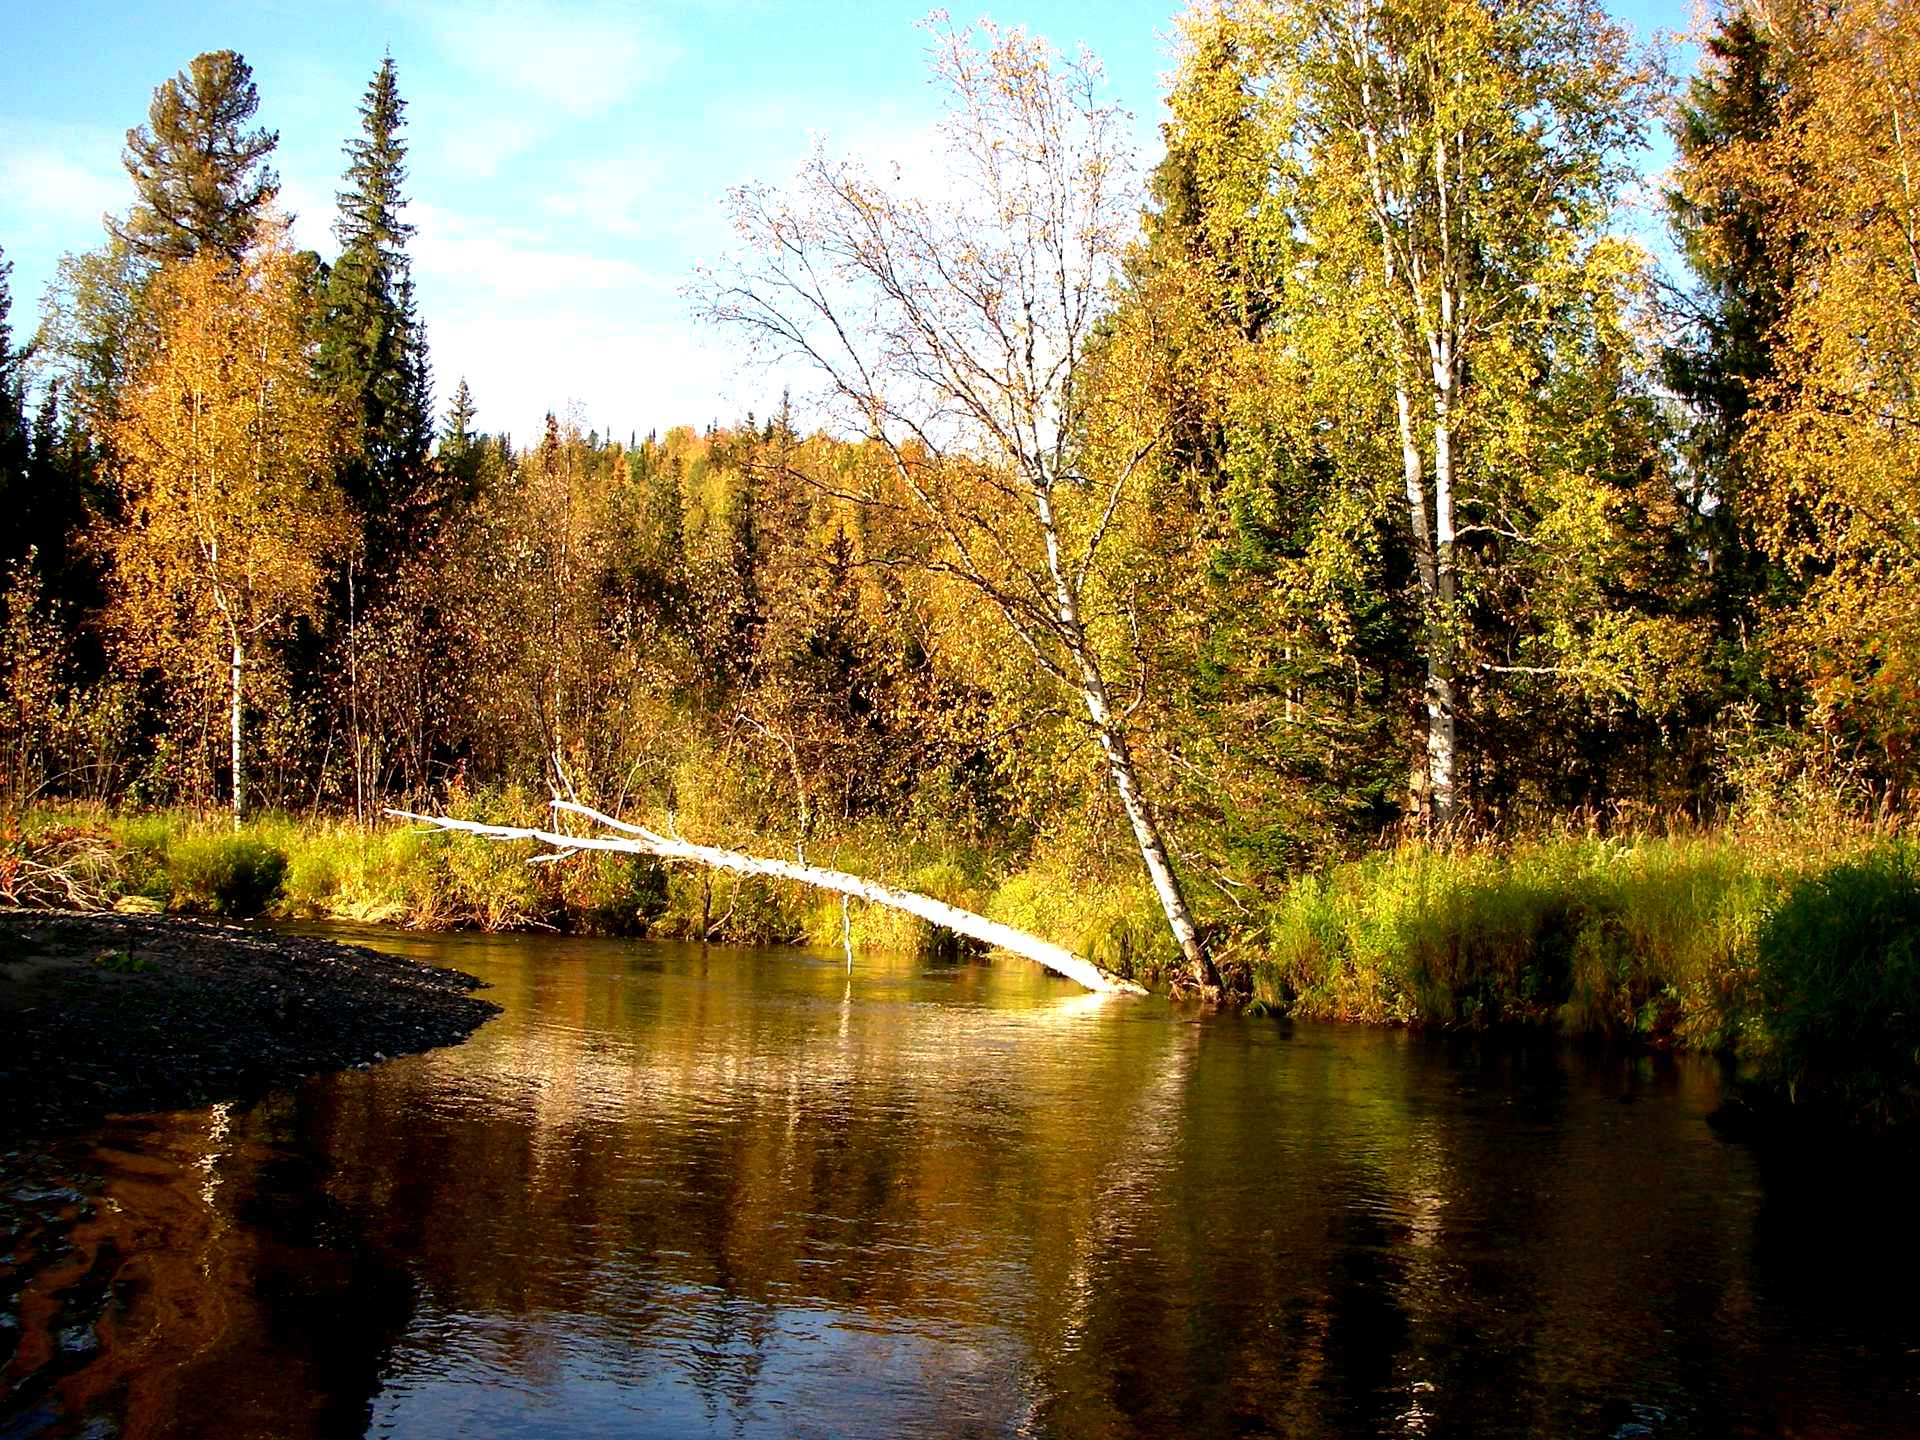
(684, 1191)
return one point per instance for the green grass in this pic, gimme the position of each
(1836, 1026)
(1796, 954)
(1799, 959)
(1651, 938)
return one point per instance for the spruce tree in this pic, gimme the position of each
(373, 350)
(1730, 234)
(14, 443)
(202, 176)
(460, 453)
(457, 435)
(48, 490)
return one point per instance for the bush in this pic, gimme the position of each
(612, 894)
(315, 868)
(66, 868)
(1112, 919)
(1649, 938)
(144, 842)
(1837, 980)
(232, 875)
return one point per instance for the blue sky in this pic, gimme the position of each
(568, 157)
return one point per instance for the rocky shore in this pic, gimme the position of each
(105, 1013)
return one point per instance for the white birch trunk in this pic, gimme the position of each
(238, 660)
(637, 840)
(1433, 534)
(1146, 835)
(1441, 749)
(1436, 586)
(1112, 739)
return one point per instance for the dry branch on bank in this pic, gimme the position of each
(637, 840)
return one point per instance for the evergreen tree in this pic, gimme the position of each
(661, 521)
(373, 352)
(417, 410)
(202, 176)
(48, 494)
(1730, 233)
(14, 439)
(459, 453)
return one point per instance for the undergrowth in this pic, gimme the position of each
(1797, 957)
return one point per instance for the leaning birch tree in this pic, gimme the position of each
(951, 324)
(227, 448)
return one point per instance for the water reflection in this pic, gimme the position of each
(675, 1191)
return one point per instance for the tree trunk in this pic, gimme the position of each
(636, 840)
(1440, 649)
(239, 659)
(1146, 834)
(353, 696)
(1433, 796)
(1113, 745)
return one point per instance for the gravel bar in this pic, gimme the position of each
(107, 1013)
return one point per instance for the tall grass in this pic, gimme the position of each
(1836, 1026)
(1799, 955)
(1798, 958)
(323, 868)
(1647, 937)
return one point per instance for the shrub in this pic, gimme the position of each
(613, 894)
(229, 875)
(66, 868)
(315, 868)
(1113, 920)
(1650, 938)
(1837, 981)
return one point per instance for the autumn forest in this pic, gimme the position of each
(1391, 487)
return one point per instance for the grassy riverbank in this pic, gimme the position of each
(1797, 952)
(1797, 956)
(306, 867)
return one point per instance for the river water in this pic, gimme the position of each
(685, 1191)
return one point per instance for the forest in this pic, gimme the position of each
(1354, 565)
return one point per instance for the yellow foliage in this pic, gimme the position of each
(1837, 436)
(227, 448)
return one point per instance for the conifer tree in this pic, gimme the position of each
(374, 350)
(202, 176)
(1730, 234)
(459, 449)
(14, 442)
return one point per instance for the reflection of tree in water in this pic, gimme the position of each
(740, 1161)
(245, 1298)
(742, 1193)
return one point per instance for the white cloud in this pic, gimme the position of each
(580, 56)
(611, 194)
(474, 146)
(625, 367)
(312, 211)
(46, 183)
(536, 323)
(497, 263)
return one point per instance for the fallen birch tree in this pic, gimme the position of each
(638, 840)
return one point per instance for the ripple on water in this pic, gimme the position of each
(684, 1191)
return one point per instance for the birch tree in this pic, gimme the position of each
(228, 449)
(1446, 171)
(1836, 432)
(950, 324)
